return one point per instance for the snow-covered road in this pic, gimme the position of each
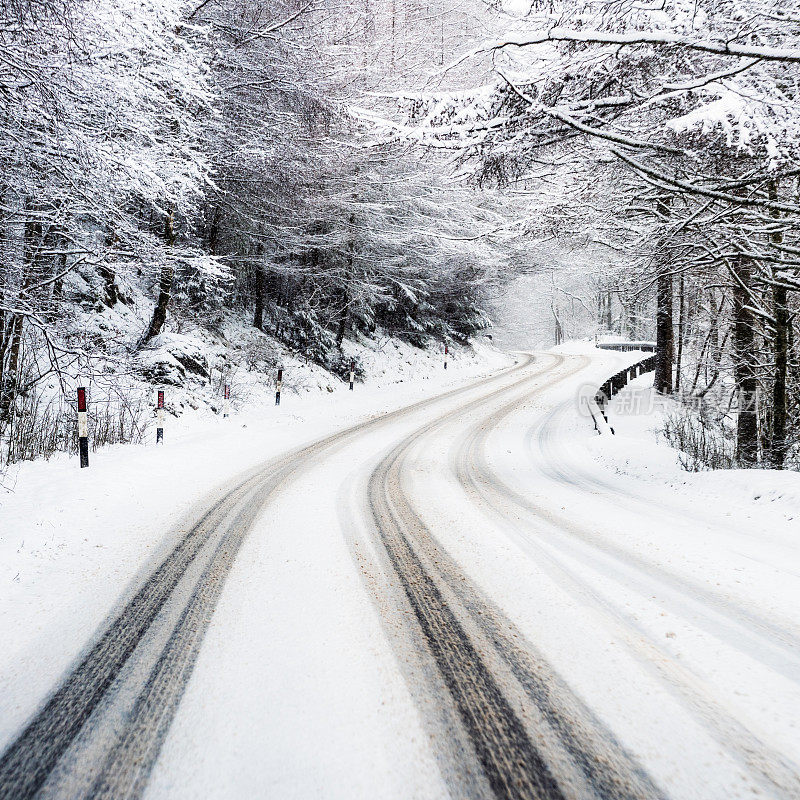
(455, 599)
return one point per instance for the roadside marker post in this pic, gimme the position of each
(278, 385)
(83, 428)
(352, 374)
(226, 400)
(605, 393)
(446, 351)
(589, 409)
(160, 417)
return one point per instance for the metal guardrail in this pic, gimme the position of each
(617, 382)
(627, 347)
(599, 418)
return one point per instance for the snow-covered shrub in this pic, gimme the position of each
(43, 425)
(703, 441)
(260, 355)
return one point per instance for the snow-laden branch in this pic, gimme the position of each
(276, 26)
(691, 188)
(571, 122)
(714, 77)
(658, 38)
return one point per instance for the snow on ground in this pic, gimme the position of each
(666, 600)
(71, 540)
(715, 555)
(639, 452)
(696, 517)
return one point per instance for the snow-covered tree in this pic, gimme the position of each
(697, 103)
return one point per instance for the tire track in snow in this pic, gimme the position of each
(777, 775)
(560, 750)
(562, 470)
(58, 727)
(741, 628)
(27, 762)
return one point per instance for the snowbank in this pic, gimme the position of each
(639, 453)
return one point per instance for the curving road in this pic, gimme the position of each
(468, 522)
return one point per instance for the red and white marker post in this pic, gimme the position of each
(352, 374)
(160, 417)
(446, 351)
(226, 400)
(83, 428)
(278, 385)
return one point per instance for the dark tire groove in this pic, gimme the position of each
(778, 775)
(157, 705)
(27, 762)
(513, 766)
(493, 727)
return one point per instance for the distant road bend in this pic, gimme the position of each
(515, 728)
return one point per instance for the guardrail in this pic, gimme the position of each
(626, 347)
(617, 382)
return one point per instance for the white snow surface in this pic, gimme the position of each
(72, 540)
(665, 600)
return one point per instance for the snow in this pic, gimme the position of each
(664, 600)
(73, 542)
(169, 356)
(639, 453)
(312, 703)
(661, 597)
(631, 619)
(532, 38)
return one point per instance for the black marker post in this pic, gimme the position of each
(278, 385)
(83, 428)
(160, 417)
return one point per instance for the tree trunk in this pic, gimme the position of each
(344, 316)
(107, 272)
(8, 388)
(744, 353)
(110, 282)
(342, 329)
(778, 444)
(9, 380)
(780, 310)
(664, 332)
(559, 332)
(261, 287)
(681, 322)
(665, 336)
(164, 284)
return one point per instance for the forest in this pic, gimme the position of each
(320, 171)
